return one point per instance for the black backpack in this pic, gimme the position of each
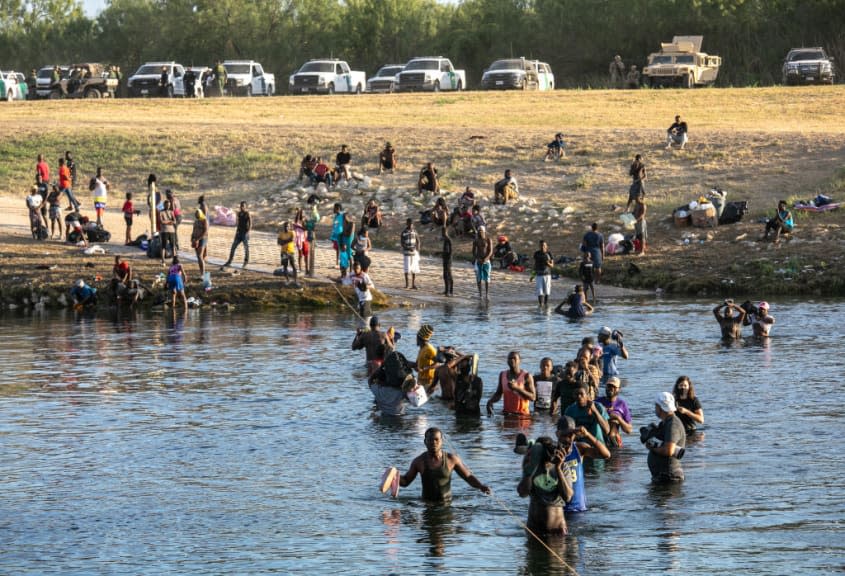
(397, 370)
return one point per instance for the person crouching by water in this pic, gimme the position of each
(176, 280)
(731, 325)
(578, 307)
(665, 442)
(517, 388)
(435, 467)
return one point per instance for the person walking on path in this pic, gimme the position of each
(199, 238)
(410, 242)
(241, 236)
(482, 252)
(543, 262)
(640, 225)
(66, 184)
(448, 282)
(638, 176)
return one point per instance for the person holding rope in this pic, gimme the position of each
(435, 467)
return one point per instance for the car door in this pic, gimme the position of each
(341, 78)
(178, 75)
(258, 84)
(447, 76)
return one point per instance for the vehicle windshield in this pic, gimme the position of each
(688, 59)
(236, 68)
(47, 73)
(317, 67)
(423, 65)
(806, 55)
(148, 69)
(506, 65)
(661, 60)
(388, 71)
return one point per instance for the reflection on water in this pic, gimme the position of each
(209, 443)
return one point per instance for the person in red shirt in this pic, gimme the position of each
(42, 175)
(128, 212)
(121, 277)
(65, 185)
(322, 173)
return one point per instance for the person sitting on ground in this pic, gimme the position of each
(440, 213)
(372, 215)
(762, 321)
(387, 161)
(121, 277)
(435, 467)
(428, 181)
(306, 167)
(505, 189)
(83, 295)
(504, 253)
(677, 134)
(461, 218)
(576, 305)
(632, 80)
(780, 224)
(618, 413)
(477, 221)
(321, 174)
(556, 149)
(343, 165)
(731, 325)
(688, 407)
(74, 232)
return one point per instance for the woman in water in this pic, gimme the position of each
(688, 407)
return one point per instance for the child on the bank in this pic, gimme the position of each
(54, 200)
(288, 250)
(128, 213)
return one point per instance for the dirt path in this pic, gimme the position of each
(386, 271)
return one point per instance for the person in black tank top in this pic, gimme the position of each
(435, 468)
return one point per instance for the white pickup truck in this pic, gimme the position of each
(327, 77)
(432, 73)
(248, 78)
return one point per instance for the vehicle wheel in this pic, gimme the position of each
(270, 90)
(331, 88)
(460, 85)
(169, 91)
(54, 95)
(249, 91)
(392, 88)
(93, 93)
(689, 82)
(9, 96)
(437, 85)
(358, 89)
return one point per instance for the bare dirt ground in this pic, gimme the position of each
(760, 145)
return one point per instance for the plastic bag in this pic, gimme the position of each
(628, 220)
(418, 396)
(224, 216)
(206, 281)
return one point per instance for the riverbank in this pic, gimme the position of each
(760, 145)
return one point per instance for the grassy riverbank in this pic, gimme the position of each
(759, 144)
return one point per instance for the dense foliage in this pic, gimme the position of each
(577, 37)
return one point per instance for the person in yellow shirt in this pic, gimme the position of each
(426, 363)
(288, 248)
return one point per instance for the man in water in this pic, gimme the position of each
(619, 415)
(731, 325)
(665, 442)
(517, 387)
(589, 414)
(426, 364)
(576, 443)
(370, 340)
(435, 466)
(550, 488)
(762, 321)
(610, 351)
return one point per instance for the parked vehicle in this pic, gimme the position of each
(385, 78)
(327, 76)
(88, 80)
(43, 79)
(12, 86)
(432, 73)
(146, 81)
(808, 66)
(518, 74)
(203, 76)
(248, 78)
(681, 63)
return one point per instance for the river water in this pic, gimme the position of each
(247, 444)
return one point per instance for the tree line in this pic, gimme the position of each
(577, 37)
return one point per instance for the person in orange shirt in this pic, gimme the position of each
(65, 185)
(516, 386)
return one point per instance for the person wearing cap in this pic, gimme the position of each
(687, 405)
(369, 341)
(199, 238)
(762, 321)
(611, 351)
(387, 161)
(410, 243)
(83, 295)
(618, 413)
(504, 253)
(730, 324)
(435, 467)
(426, 364)
(576, 443)
(516, 388)
(482, 252)
(589, 414)
(666, 442)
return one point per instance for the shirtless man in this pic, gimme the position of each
(370, 340)
(731, 325)
(435, 466)
(482, 251)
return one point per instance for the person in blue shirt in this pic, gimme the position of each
(610, 351)
(782, 222)
(83, 295)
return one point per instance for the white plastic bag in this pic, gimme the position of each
(418, 396)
